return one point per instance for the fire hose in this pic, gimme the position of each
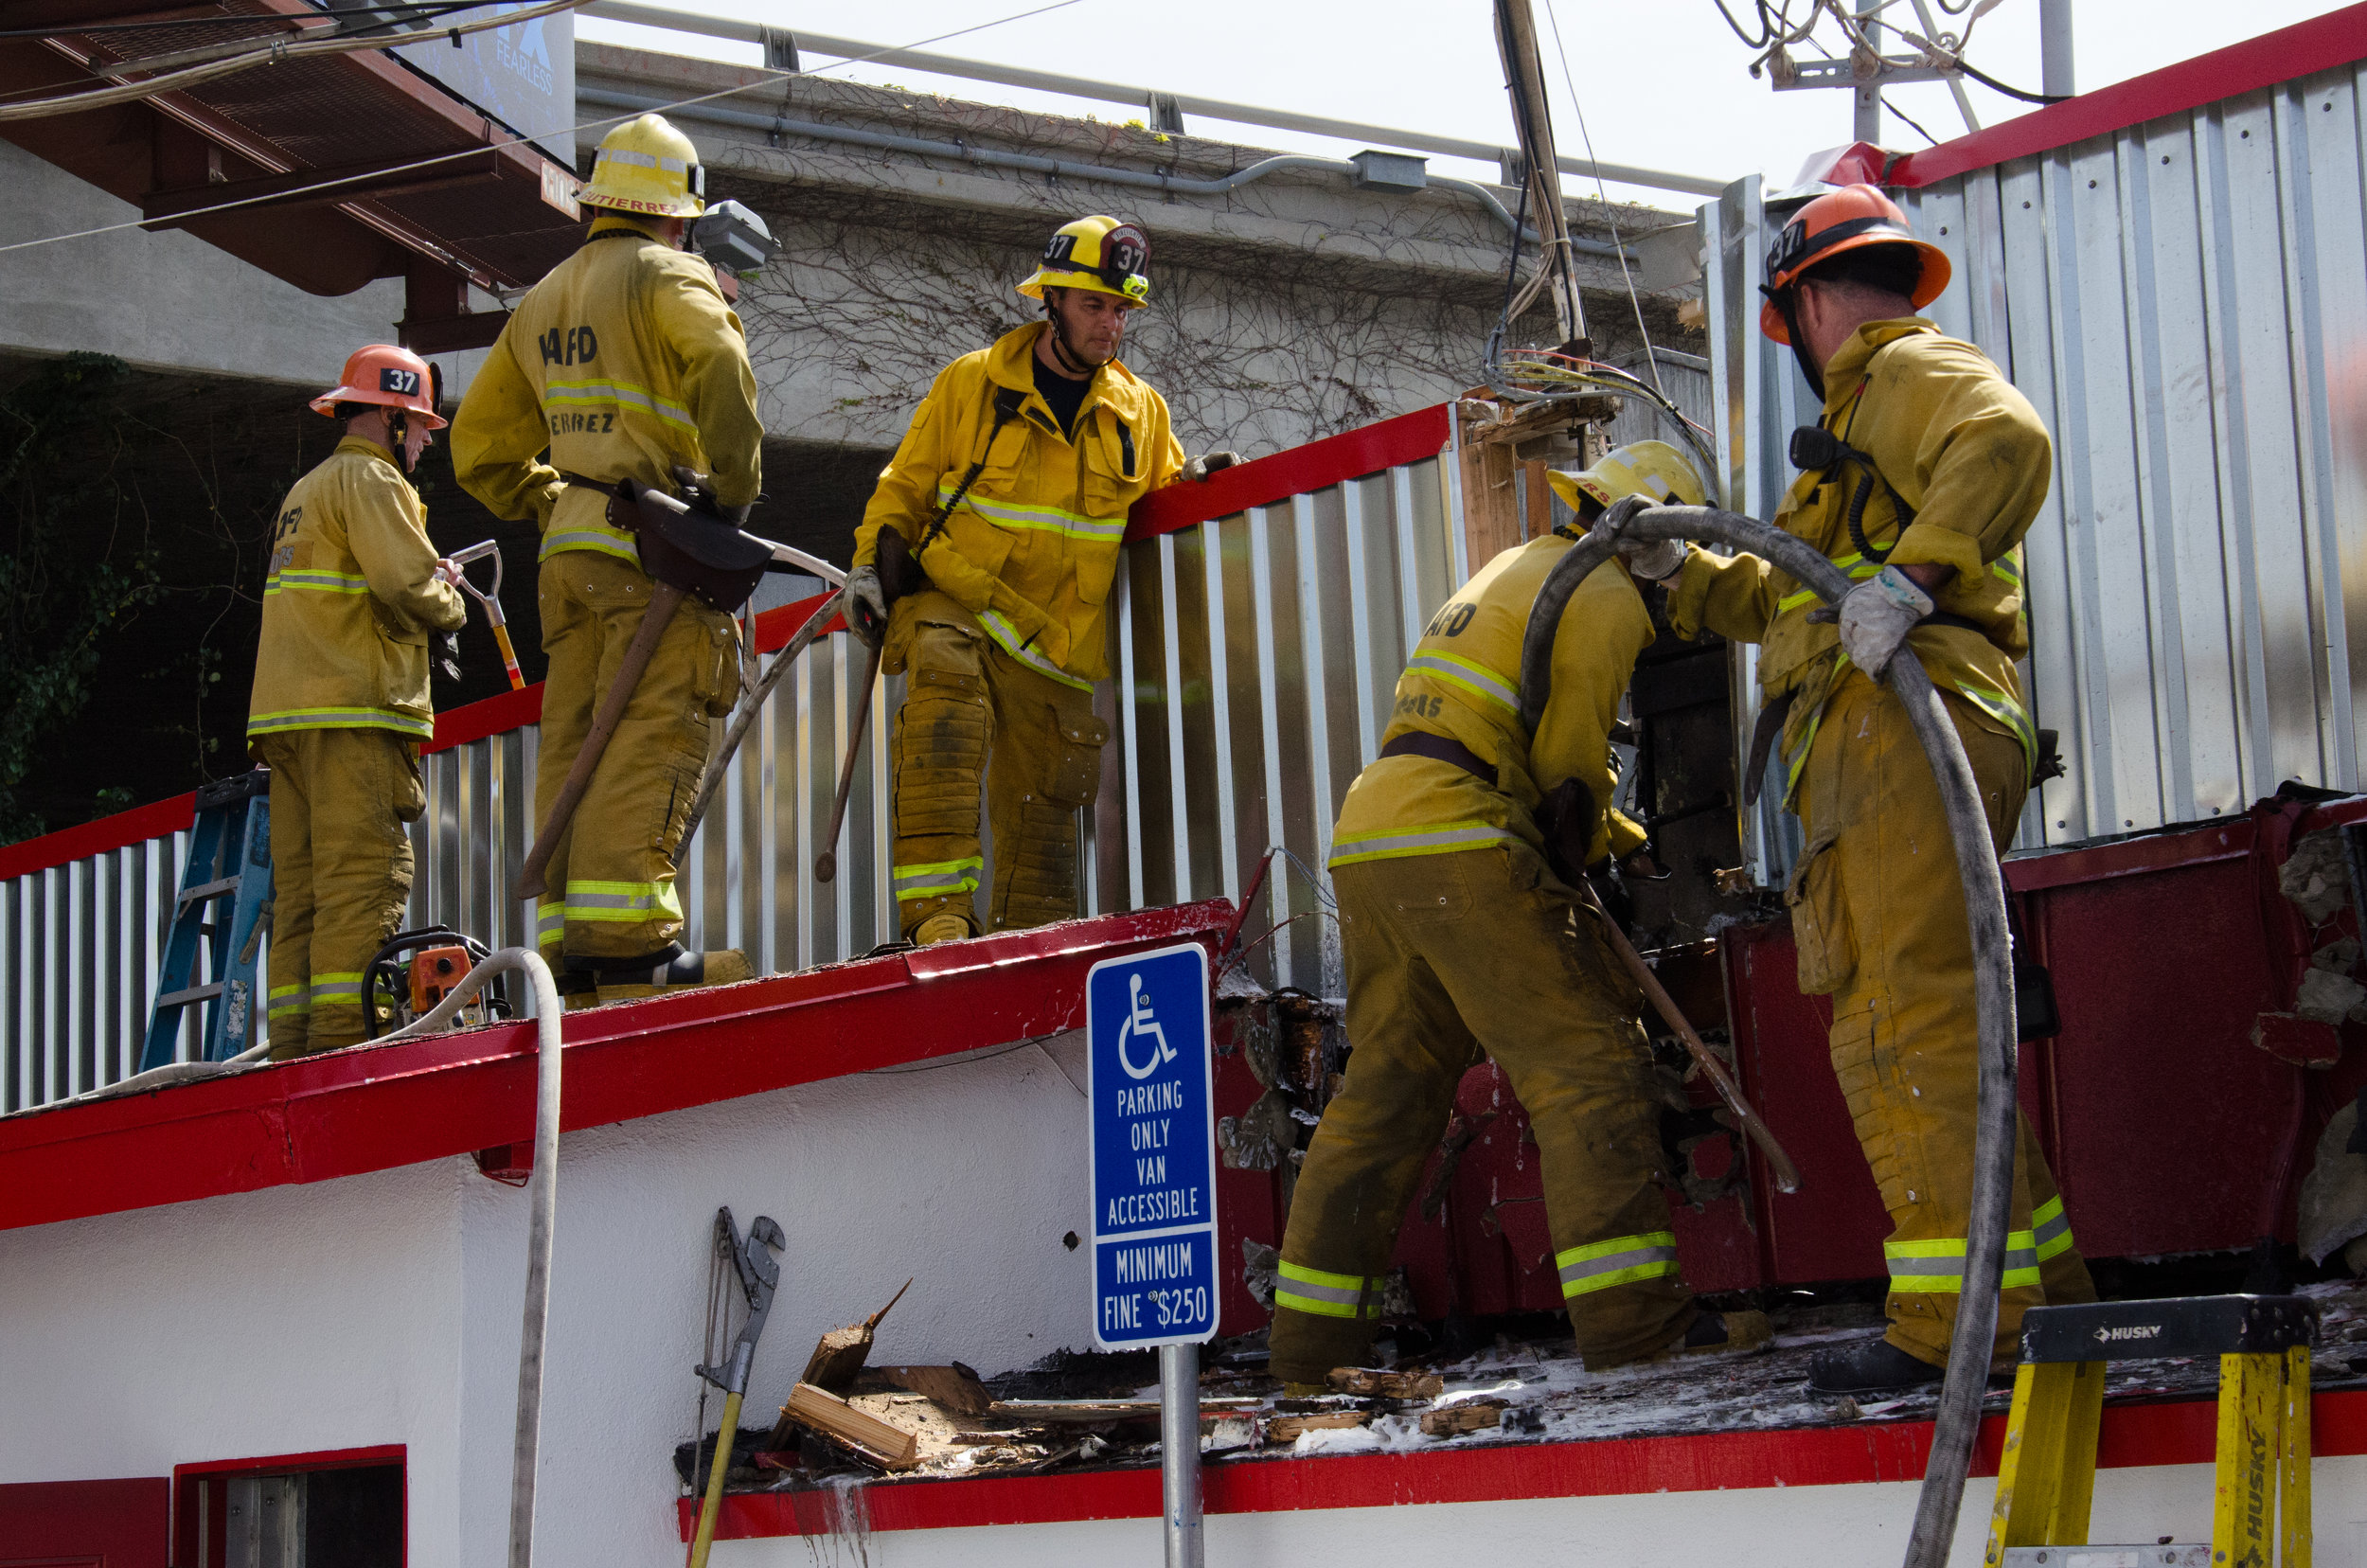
(1959, 1416)
(541, 1216)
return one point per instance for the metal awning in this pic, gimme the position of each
(499, 216)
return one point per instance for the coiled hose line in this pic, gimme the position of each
(541, 1211)
(1959, 1418)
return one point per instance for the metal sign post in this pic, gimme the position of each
(1154, 1195)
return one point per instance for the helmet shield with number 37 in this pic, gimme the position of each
(388, 376)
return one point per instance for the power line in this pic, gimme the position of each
(478, 151)
(1602, 193)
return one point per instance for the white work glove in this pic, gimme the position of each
(1198, 469)
(1653, 560)
(866, 605)
(1875, 617)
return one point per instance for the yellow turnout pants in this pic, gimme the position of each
(611, 882)
(341, 874)
(1880, 924)
(973, 714)
(1450, 956)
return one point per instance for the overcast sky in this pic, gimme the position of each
(1662, 83)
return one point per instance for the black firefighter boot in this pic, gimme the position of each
(1870, 1366)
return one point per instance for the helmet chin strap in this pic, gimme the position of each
(1070, 359)
(399, 437)
(1787, 304)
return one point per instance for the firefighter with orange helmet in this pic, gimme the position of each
(984, 560)
(340, 702)
(1919, 481)
(624, 363)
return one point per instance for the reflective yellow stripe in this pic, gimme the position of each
(2050, 1229)
(621, 900)
(577, 394)
(936, 878)
(605, 542)
(1008, 637)
(1050, 519)
(341, 988)
(1323, 1294)
(1473, 677)
(1622, 1260)
(317, 582)
(2006, 711)
(1858, 569)
(1446, 838)
(339, 718)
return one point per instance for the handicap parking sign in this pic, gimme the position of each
(1154, 1149)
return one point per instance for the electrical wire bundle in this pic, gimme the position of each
(1530, 374)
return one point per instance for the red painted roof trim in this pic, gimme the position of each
(1333, 460)
(2321, 43)
(135, 826)
(376, 1108)
(2181, 1432)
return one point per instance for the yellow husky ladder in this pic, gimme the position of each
(2046, 1475)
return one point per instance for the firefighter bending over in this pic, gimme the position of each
(1453, 860)
(985, 559)
(1919, 481)
(341, 698)
(623, 364)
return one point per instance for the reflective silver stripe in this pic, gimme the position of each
(635, 903)
(1427, 841)
(1053, 518)
(343, 991)
(565, 393)
(1463, 672)
(909, 880)
(1928, 1267)
(1617, 1262)
(265, 723)
(2052, 1231)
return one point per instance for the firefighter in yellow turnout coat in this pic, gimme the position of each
(1948, 464)
(1011, 490)
(341, 702)
(624, 363)
(1462, 940)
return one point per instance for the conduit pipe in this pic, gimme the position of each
(1032, 163)
(1959, 1417)
(542, 1212)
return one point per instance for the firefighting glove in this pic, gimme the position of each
(1653, 560)
(1198, 469)
(865, 605)
(1875, 617)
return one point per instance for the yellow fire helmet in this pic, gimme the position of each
(1653, 468)
(648, 166)
(1100, 253)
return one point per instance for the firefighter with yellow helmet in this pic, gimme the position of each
(1454, 859)
(341, 702)
(1919, 481)
(623, 364)
(985, 562)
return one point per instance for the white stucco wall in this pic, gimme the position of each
(384, 1308)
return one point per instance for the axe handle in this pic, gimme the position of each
(664, 601)
(825, 868)
(1787, 1174)
(752, 706)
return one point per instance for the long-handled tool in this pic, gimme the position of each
(664, 601)
(1787, 1174)
(826, 867)
(754, 704)
(491, 599)
(751, 1260)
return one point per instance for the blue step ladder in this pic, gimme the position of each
(225, 885)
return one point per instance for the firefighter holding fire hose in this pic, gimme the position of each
(1919, 481)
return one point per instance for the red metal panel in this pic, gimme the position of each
(373, 1108)
(2319, 44)
(1857, 1454)
(1333, 460)
(124, 1524)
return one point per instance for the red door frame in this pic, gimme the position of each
(214, 1475)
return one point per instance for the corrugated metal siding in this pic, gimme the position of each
(2185, 302)
(1255, 656)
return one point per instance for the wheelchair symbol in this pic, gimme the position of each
(1139, 1022)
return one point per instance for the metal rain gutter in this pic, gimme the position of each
(1139, 97)
(1037, 164)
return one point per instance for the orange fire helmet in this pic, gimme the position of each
(390, 377)
(1845, 220)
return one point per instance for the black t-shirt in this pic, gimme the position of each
(1065, 397)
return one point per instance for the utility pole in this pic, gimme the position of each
(2055, 48)
(1525, 79)
(1867, 124)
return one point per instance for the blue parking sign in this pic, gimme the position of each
(1154, 1149)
